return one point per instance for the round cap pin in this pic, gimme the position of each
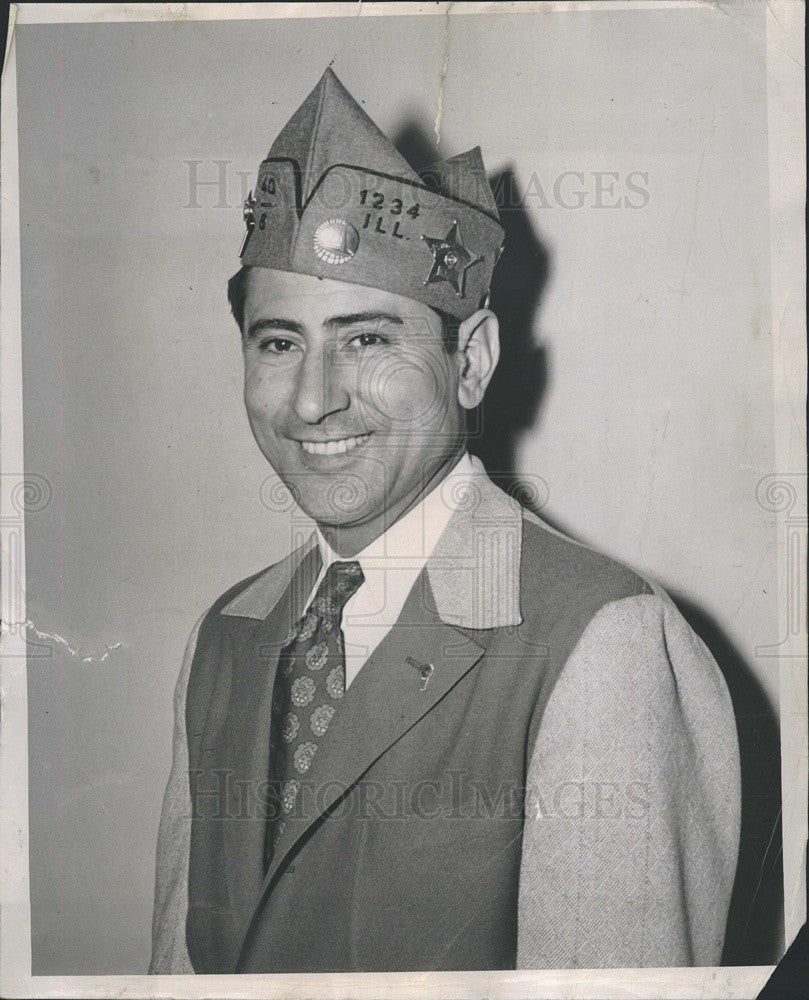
(336, 241)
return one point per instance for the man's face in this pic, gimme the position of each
(351, 394)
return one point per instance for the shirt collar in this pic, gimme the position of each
(473, 567)
(409, 542)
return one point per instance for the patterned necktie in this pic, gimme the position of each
(309, 683)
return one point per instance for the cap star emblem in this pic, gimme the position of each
(450, 259)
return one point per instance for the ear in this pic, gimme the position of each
(478, 353)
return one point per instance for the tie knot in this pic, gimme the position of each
(341, 581)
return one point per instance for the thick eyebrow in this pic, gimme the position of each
(286, 325)
(353, 319)
(334, 323)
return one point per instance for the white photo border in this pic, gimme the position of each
(786, 125)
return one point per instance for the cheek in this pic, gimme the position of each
(263, 390)
(413, 391)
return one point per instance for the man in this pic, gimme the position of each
(439, 734)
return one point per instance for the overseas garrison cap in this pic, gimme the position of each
(336, 199)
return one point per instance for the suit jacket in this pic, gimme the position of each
(575, 741)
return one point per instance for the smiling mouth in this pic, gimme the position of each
(337, 447)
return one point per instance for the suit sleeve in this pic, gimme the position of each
(169, 951)
(633, 801)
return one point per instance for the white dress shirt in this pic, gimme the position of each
(391, 565)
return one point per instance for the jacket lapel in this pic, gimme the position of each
(256, 648)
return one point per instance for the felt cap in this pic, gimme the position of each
(334, 198)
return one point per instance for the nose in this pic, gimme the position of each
(319, 390)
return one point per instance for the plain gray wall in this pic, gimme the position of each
(643, 415)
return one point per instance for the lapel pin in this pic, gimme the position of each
(425, 671)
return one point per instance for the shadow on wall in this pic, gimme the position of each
(516, 392)
(518, 386)
(755, 933)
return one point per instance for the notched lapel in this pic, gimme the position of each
(260, 598)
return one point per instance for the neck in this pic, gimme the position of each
(347, 540)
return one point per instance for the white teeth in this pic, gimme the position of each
(333, 447)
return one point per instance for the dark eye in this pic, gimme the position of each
(275, 345)
(369, 339)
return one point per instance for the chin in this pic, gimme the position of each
(336, 519)
(340, 505)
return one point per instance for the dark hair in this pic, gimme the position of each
(237, 290)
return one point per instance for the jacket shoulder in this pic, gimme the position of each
(564, 578)
(255, 596)
(239, 588)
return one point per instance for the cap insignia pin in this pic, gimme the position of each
(450, 259)
(336, 241)
(249, 216)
